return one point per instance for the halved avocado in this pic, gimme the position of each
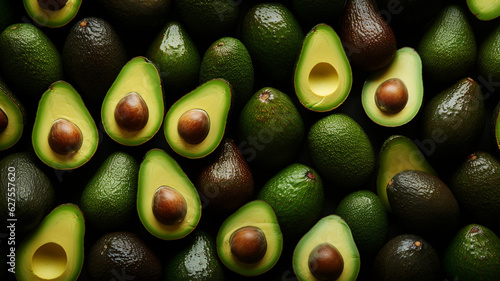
(132, 110)
(11, 118)
(323, 75)
(484, 9)
(398, 153)
(384, 103)
(54, 250)
(250, 241)
(167, 201)
(195, 124)
(52, 13)
(330, 235)
(64, 134)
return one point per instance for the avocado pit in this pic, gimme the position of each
(52, 5)
(65, 137)
(4, 121)
(169, 206)
(325, 262)
(193, 126)
(391, 96)
(131, 112)
(248, 244)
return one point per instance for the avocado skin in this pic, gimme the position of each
(401, 259)
(197, 261)
(93, 55)
(34, 192)
(488, 61)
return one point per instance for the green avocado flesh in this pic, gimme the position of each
(54, 250)
(484, 9)
(139, 76)
(160, 169)
(259, 214)
(62, 101)
(13, 113)
(334, 230)
(213, 97)
(323, 76)
(406, 66)
(52, 17)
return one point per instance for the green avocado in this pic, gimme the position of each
(54, 13)
(393, 104)
(132, 110)
(327, 252)
(12, 118)
(168, 203)
(195, 124)
(256, 224)
(54, 250)
(484, 10)
(488, 63)
(323, 75)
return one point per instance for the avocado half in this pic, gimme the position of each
(52, 13)
(484, 9)
(11, 118)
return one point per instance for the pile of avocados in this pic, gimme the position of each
(250, 140)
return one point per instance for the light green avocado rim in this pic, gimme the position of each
(484, 10)
(52, 19)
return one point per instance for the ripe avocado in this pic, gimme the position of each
(137, 14)
(407, 67)
(407, 257)
(484, 9)
(64, 134)
(54, 250)
(54, 13)
(167, 201)
(249, 241)
(270, 129)
(488, 63)
(12, 117)
(296, 195)
(132, 110)
(323, 75)
(195, 124)
(333, 232)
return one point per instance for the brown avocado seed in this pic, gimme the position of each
(4, 121)
(65, 137)
(169, 206)
(248, 244)
(325, 262)
(193, 126)
(131, 112)
(391, 96)
(52, 5)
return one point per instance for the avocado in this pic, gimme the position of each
(132, 110)
(176, 57)
(64, 134)
(12, 118)
(323, 75)
(137, 14)
(167, 201)
(54, 250)
(195, 124)
(310, 12)
(93, 54)
(34, 191)
(109, 198)
(370, 41)
(270, 129)
(52, 13)
(473, 254)
(398, 153)
(273, 37)
(317, 254)
(407, 257)
(487, 60)
(122, 254)
(448, 47)
(296, 195)
(228, 58)
(484, 10)
(364, 212)
(43, 63)
(392, 96)
(249, 241)
(226, 183)
(454, 118)
(422, 203)
(196, 261)
(341, 150)
(475, 184)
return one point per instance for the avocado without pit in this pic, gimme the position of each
(52, 13)
(12, 117)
